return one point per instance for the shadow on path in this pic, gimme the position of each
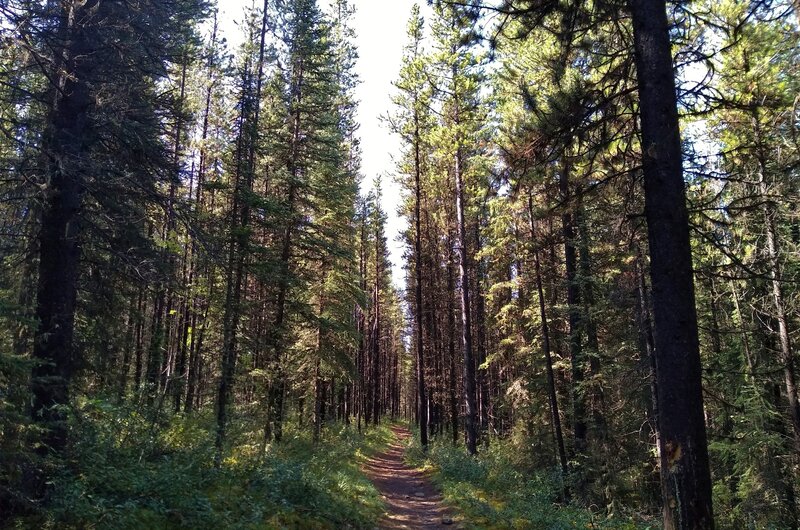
(411, 500)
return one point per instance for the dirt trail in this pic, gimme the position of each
(411, 500)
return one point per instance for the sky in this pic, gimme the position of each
(380, 26)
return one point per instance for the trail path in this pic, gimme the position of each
(411, 499)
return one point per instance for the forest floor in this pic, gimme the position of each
(411, 500)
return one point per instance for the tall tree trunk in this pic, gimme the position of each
(179, 376)
(421, 397)
(362, 319)
(480, 317)
(318, 380)
(647, 341)
(451, 340)
(432, 334)
(574, 318)
(237, 250)
(278, 388)
(65, 143)
(748, 354)
(555, 415)
(376, 334)
(684, 455)
(138, 363)
(597, 397)
(194, 303)
(470, 426)
(774, 274)
(318, 384)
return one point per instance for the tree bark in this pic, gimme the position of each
(774, 274)
(684, 454)
(451, 341)
(555, 415)
(376, 333)
(480, 317)
(422, 398)
(647, 344)
(278, 388)
(240, 220)
(470, 426)
(65, 143)
(574, 319)
(194, 304)
(597, 395)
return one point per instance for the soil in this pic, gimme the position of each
(411, 500)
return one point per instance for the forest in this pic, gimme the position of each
(595, 324)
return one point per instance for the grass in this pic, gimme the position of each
(124, 474)
(498, 489)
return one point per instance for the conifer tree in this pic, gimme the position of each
(87, 148)
(313, 154)
(245, 158)
(458, 81)
(413, 123)
(684, 453)
(93, 140)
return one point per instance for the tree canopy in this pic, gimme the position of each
(598, 316)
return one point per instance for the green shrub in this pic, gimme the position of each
(124, 473)
(499, 489)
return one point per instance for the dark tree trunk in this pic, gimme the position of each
(597, 395)
(139, 338)
(194, 351)
(278, 388)
(480, 324)
(421, 397)
(376, 334)
(647, 344)
(432, 333)
(195, 358)
(130, 345)
(65, 143)
(470, 426)
(237, 251)
(59, 256)
(319, 383)
(451, 341)
(179, 376)
(575, 324)
(555, 415)
(191, 372)
(362, 320)
(155, 353)
(684, 454)
(318, 408)
(774, 274)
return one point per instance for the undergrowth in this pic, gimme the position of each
(499, 489)
(125, 474)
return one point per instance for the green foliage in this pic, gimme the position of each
(501, 488)
(124, 472)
